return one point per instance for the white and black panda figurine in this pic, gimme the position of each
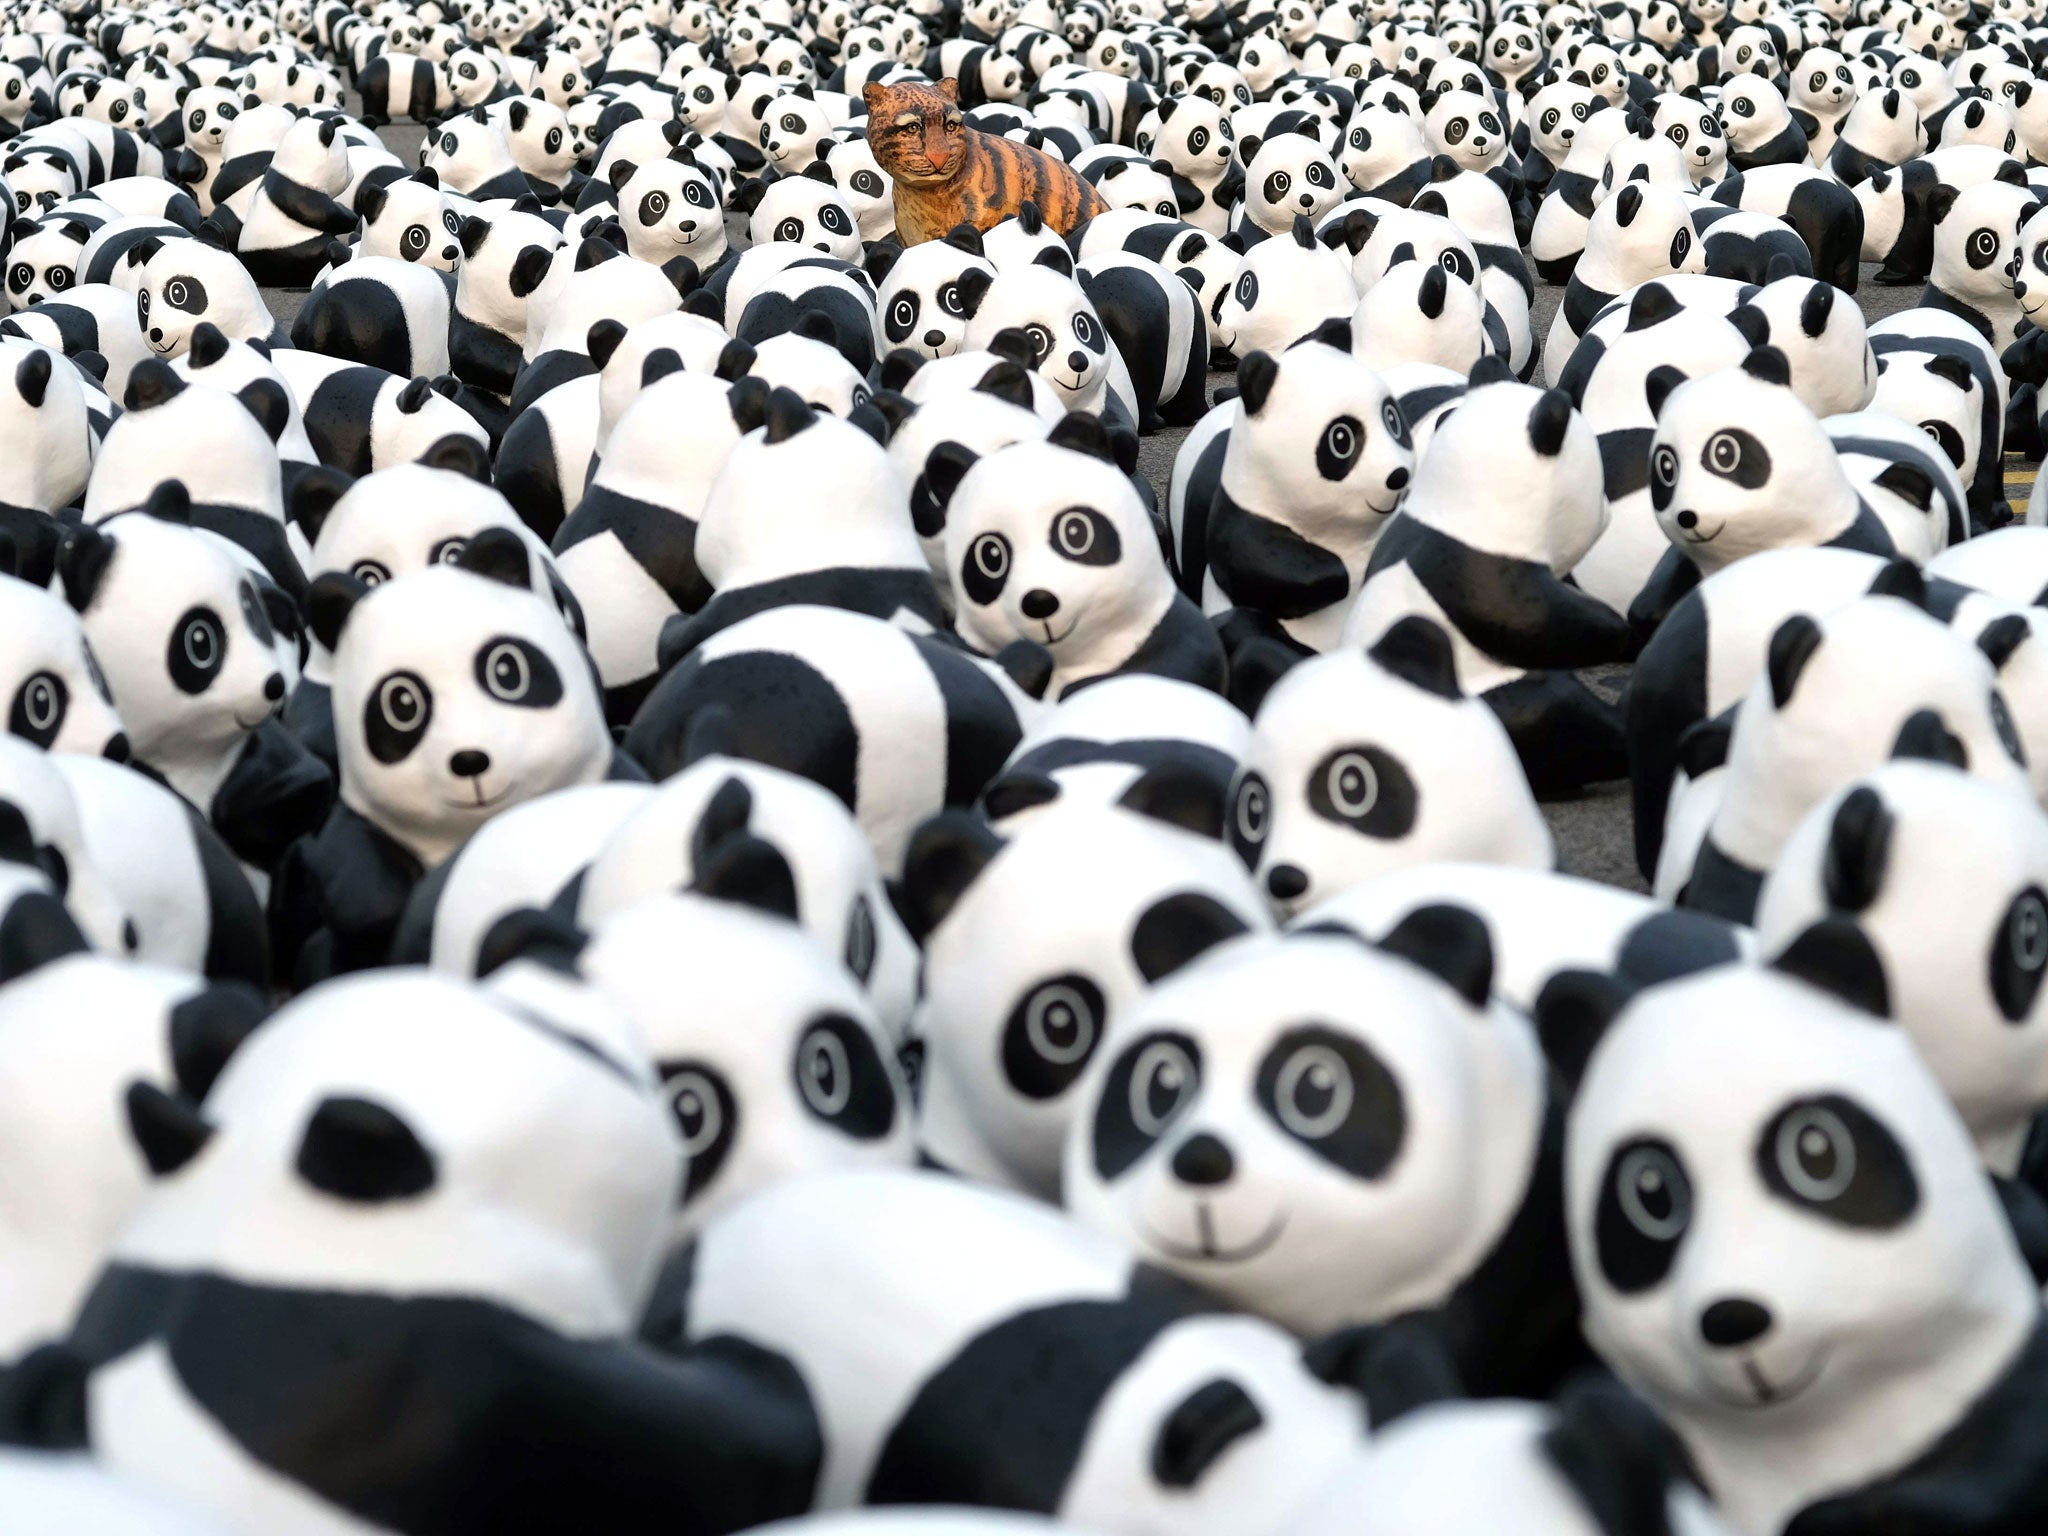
(382, 312)
(427, 1219)
(1350, 763)
(1128, 1405)
(1329, 1175)
(73, 1171)
(297, 210)
(1048, 542)
(1508, 499)
(1785, 1242)
(188, 282)
(897, 725)
(1279, 496)
(1018, 994)
(456, 692)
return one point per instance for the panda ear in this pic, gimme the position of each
(900, 367)
(516, 112)
(945, 857)
(330, 599)
(1201, 1428)
(1179, 795)
(2003, 636)
(725, 816)
(1352, 231)
(471, 234)
(1007, 381)
(1658, 384)
(37, 930)
(620, 172)
(818, 170)
(1815, 308)
(1256, 374)
(751, 872)
(1084, 432)
(209, 345)
(1015, 792)
(1628, 202)
(459, 454)
(313, 496)
(528, 268)
(499, 554)
(1858, 850)
(1416, 650)
(269, 404)
(82, 563)
(748, 402)
(1179, 929)
(1925, 736)
(735, 361)
(603, 339)
(1835, 956)
(1449, 942)
(1617, 1456)
(32, 377)
(1057, 257)
(1753, 323)
(207, 1029)
(1549, 421)
(945, 467)
(168, 1129)
(972, 287)
(1792, 646)
(1572, 1014)
(151, 384)
(881, 257)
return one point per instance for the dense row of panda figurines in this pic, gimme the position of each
(727, 904)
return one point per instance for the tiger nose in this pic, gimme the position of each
(1039, 604)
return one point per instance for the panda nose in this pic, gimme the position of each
(1687, 519)
(469, 763)
(116, 750)
(1203, 1159)
(448, 253)
(1306, 201)
(1078, 361)
(156, 333)
(934, 338)
(273, 687)
(1734, 1321)
(687, 226)
(1039, 604)
(1397, 479)
(1286, 882)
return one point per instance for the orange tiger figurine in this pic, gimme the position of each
(946, 172)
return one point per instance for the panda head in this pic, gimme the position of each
(472, 77)
(1822, 83)
(1928, 890)
(1826, 347)
(1195, 137)
(1290, 173)
(1283, 290)
(65, 1110)
(1134, 184)
(700, 99)
(182, 631)
(405, 1134)
(1512, 49)
(1018, 991)
(468, 150)
(456, 693)
(1317, 432)
(1750, 50)
(1739, 464)
(1981, 121)
(1783, 1237)
(1293, 1123)
(1049, 543)
(2030, 282)
(804, 210)
(1467, 126)
(1752, 111)
(920, 297)
(1638, 233)
(1070, 347)
(187, 282)
(1346, 777)
(1977, 251)
(562, 79)
(1379, 142)
(669, 206)
(505, 256)
(794, 129)
(1419, 312)
(412, 219)
(1557, 112)
(313, 154)
(42, 261)
(772, 1062)
(55, 695)
(542, 144)
(206, 439)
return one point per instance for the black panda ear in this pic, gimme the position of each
(82, 563)
(36, 930)
(370, 201)
(360, 1151)
(207, 1029)
(528, 268)
(32, 377)
(1769, 365)
(881, 258)
(1658, 384)
(1548, 421)
(899, 367)
(1057, 257)
(945, 467)
(1859, 847)
(787, 416)
(1178, 929)
(1256, 375)
(1352, 231)
(602, 340)
(725, 816)
(1926, 737)
(2002, 637)
(1202, 1426)
(168, 1130)
(1015, 792)
(1792, 646)
(1490, 369)
(313, 496)
(1815, 309)
(1450, 943)
(1083, 432)
(1572, 1014)
(1835, 956)
(1180, 795)
(459, 454)
(1616, 1454)
(619, 173)
(151, 384)
(499, 554)
(269, 404)
(972, 287)
(1256, 664)
(1014, 343)
(1418, 651)
(1628, 202)
(751, 872)
(945, 857)
(209, 345)
(330, 599)
(1431, 292)
(1652, 305)
(748, 402)
(471, 234)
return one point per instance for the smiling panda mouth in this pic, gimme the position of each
(1207, 1250)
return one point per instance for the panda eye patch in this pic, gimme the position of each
(1829, 1156)
(1644, 1209)
(1086, 537)
(369, 572)
(1338, 448)
(1250, 814)
(706, 1116)
(861, 942)
(37, 713)
(1366, 789)
(1982, 249)
(187, 294)
(696, 192)
(1550, 121)
(1156, 1078)
(1734, 454)
(395, 716)
(514, 672)
(198, 650)
(453, 224)
(2019, 953)
(254, 615)
(790, 230)
(652, 207)
(21, 276)
(985, 569)
(834, 218)
(1051, 1035)
(1331, 1093)
(415, 240)
(902, 315)
(1454, 131)
(841, 1079)
(1277, 185)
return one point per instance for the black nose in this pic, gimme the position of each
(469, 762)
(1736, 1321)
(273, 687)
(934, 338)
(1039, 604)
(1687, 519)
(1397, 479)
(1203, 1159)
(1285, 881)
(116, 750)
(1078, 361)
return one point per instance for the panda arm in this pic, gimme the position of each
(1673, 577)
(276, 793)
(1268, 566)
(1515, 611)
(2026, 360)
(1183, 645)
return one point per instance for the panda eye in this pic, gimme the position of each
(2019, 953)
(790, 230)
(1198, 140)
(1579, 110)
(1147, 1089)
(1088, 331)
(861, 941)
(453, 224)
(703, 1110)
(1830, 1156)
(1334, 1095)
(21, 276)
(553, 141)
(1644, 1210)
(370, 573)
(415, 241)
(254, 615)
(902, 314)
(396, 716)
(1454, 130)
(1247, 289)
(1983, 246)
(1087, 537)
(1337, 450)
(1550, 120)
(1681, 243)
(1248, 817)
(39, 706)
(1051, 1034)
(196, 121)
(513, 672)
(198, 649)
(1734, 454)
(1041, 342)
(698, 193)
(834, 218)
(448, 144)
(986, 568)
(1363, 788)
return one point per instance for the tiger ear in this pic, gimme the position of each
(950, 89)
(874, 95)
